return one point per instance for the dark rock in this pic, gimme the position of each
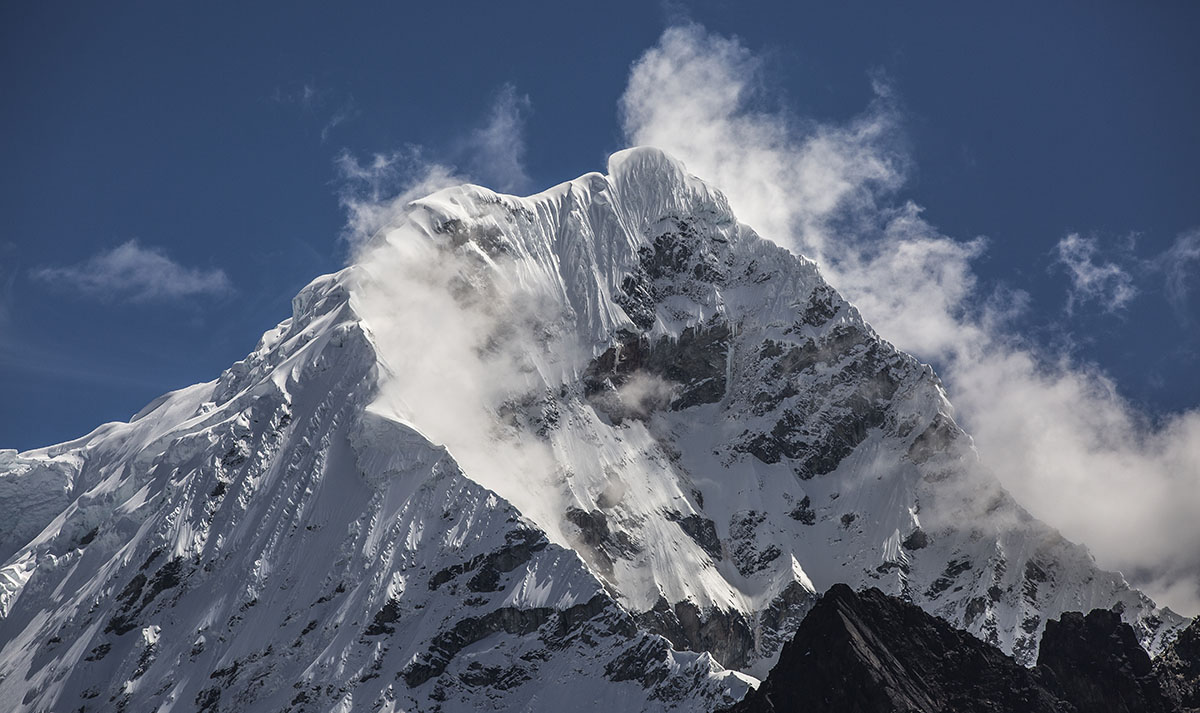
(208, 698)
(822, 306)
(500, 678)
(599, 542)
(637, 298)
(724, 634)
(166, 577)
(644, 662)
(916, 541)
(936, 439)
(382, 623)
(1097, 663)
(99, 652)
(954, 568)
(520, 546)
(838, 410)
(871, 653)
(555, 626)
(745, 551)
(1178, 669)
(803, 512)
(693, 365)
(1034, 576)
(700, 529)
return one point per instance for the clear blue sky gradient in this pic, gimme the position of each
(178, 125)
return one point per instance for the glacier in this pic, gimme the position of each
(597, 448)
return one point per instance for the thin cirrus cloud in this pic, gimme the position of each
(1104, 283)
(1056, 432)
(374, 191)
(318, 102)
(131, 272)
(1179, 264)
(495, 152)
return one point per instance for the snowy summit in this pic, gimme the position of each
(599, 448)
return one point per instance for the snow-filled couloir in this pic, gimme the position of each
(596, 448)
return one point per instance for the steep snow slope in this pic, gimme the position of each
(263, 542)
(714, 429)
(478, 467)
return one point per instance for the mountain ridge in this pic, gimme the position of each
(684, 429)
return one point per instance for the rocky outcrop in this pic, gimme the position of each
(1178, 669)
(871, 653)
(1095, 662)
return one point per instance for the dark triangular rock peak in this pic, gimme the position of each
(868, 652)
(871, 653)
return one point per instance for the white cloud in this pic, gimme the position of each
(1181, 263)
(1055, 432)
(131, 272)
(694, 96)
(1105, 283)
(495, 152)
(426, 326)
(462, 354)
(374, 192)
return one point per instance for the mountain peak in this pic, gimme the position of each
(604, 436)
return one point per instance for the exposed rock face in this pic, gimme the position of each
(1097, 664)
(871, 653)
(1178, 669)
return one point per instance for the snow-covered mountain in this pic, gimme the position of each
(598, 448)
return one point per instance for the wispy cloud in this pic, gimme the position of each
(330, 107)
(347, 111)
(1092, 279)
(131, 272)
(495, 152)
(1181, 266)
(1056, 432)
(695, 94)
(374, 191)
(304, 94)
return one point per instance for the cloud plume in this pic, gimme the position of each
(466, 346)
(1056, 432)
(131, 272)
(495, 152)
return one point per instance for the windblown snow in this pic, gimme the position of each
(598, 448)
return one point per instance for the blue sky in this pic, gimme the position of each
(1009, 192)
(170, 172)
